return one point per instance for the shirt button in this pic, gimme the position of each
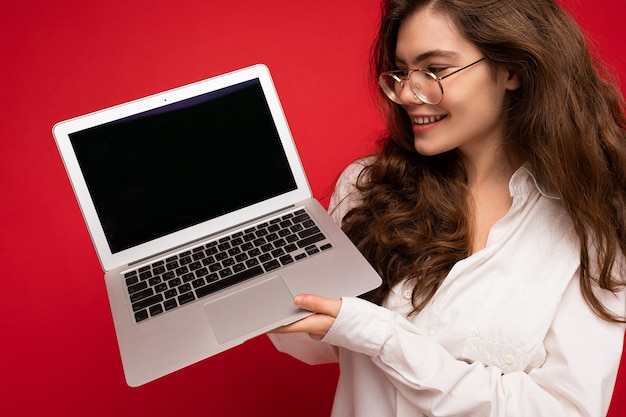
(408, 293)
(509, 359)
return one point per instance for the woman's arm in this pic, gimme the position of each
(577, 378)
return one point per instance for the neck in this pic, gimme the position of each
(489, 167)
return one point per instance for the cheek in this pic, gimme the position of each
(479, 102)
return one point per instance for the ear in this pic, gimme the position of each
(513, 81)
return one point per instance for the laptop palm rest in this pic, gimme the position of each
(250, 309)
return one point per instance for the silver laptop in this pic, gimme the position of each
(203, 220)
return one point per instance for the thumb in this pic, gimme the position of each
(318, 304)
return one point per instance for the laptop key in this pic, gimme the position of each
(311, 250)
(145, 275)
(186, 298)
(141, 315)
(198, 283)
(170, 304)
(228, 281)
(137, 287)
(301, 218)
(147, 302)
(226, 272)
(309, 232)
(155, 310)
(140, 295)
(189, 277)
(277, 253)
(286, 260)
(311, 240)
(202, 272)
(271, 265)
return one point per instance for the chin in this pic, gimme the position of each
(430, 147)
(426, 151)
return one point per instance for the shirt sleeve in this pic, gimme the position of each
(346, 195)
(577, 378)
(300, 345)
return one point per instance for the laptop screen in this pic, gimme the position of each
(176, 166)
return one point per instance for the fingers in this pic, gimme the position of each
(318, 304)
(316, 325)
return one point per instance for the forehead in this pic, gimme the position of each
(426, 33)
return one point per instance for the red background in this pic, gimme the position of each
(64, 58)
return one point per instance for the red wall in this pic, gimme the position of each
(64, 58)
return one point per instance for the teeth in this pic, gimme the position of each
(426, 120)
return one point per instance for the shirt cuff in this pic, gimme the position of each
(360, 326)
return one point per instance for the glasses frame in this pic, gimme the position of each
(415, 88)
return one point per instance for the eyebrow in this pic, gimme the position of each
(438, 53)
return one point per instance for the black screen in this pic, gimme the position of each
(176, 166)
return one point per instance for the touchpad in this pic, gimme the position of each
(250, 309)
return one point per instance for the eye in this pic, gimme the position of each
(398, 74)
(437, 70)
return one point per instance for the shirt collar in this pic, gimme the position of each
(523, 181)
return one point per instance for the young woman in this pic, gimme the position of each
(495, 212)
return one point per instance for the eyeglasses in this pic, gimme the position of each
(425, 85)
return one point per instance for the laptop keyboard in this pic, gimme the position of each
(195, 273)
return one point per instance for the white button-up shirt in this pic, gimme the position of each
(508, 332)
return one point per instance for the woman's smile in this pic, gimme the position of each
(424, 120)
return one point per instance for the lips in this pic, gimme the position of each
(425, 120)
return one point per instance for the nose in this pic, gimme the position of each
(407, 93)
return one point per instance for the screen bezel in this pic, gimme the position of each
(109, 260)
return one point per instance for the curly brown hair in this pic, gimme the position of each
(566, 120)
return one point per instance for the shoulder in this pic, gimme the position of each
(351, 173)
(346, 194)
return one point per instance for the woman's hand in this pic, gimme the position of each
(317, 325)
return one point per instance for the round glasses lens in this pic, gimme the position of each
(424, 86)
(391, 84)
